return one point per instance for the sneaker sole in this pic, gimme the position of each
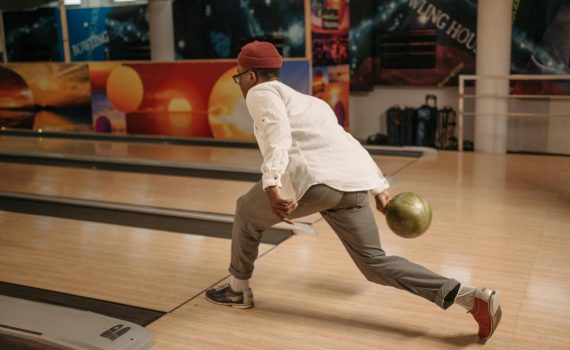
(239, 306)
(495, 302)
(496, 313)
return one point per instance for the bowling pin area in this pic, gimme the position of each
(136, 230)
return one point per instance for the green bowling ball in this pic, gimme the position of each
(408, 215)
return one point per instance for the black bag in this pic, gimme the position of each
(426, 123)
(393, 122)
(408, 128)
(377, 139)
(400, 126)
(446, 121)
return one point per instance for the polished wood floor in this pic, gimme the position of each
(501, 221)
(138, 267)
(247, 158)
(161, 191)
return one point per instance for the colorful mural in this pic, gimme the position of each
(109, 33)
(187, 99)
(329, 31)
(48, 96)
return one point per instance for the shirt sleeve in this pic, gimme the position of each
(383, 186)
(272, 131)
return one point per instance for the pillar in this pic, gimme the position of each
(161, 30)
(494, 27)
(64, 32)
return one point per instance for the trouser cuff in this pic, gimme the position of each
(446, 295)
(240, 275)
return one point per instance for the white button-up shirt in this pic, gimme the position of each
(303, 145)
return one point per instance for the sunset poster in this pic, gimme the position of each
(185, 99)
(47, 96)
(111, 117)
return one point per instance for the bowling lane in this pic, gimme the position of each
(149, 190)
(164, 154)
(168, 154)
(161, 191)
(138, 267)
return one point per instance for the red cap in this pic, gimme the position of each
(259, 54)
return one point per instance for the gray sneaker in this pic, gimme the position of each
(224, 295)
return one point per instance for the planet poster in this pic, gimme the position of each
(106, 117)
(185, 99)
(171, 99)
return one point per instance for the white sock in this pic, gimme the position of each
(238, 285)
(465, 297)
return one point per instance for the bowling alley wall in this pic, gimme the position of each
(109, 83)
(111, 86)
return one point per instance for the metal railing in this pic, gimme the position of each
(524, 77)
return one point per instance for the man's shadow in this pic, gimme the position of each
(322, 316)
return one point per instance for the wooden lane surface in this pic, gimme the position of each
(163, 191)
(499, 221)
(144, 268)
(543, 320)
(228, 156)
(249, 158)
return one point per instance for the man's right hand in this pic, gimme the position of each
(280, 206)
(382, 201)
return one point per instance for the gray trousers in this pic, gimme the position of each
(350, 216)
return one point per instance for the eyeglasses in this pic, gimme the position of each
(236, 77)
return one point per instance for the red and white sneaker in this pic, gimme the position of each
(486, 311)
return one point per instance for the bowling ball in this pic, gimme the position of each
(408, 215)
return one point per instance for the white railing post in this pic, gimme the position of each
(460, 113)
